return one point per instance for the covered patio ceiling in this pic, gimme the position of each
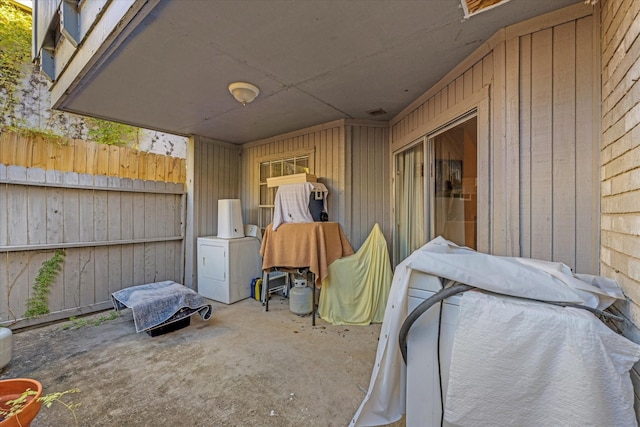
(314, 61)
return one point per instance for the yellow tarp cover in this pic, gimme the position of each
(356, 289)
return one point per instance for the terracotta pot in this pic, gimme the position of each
(12, 389)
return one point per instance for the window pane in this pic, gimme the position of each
(264, 195)
(276, 168)
(265, 216)
(289, 167)
(302, 165)
(264, 171)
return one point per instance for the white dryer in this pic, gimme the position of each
(226, 267)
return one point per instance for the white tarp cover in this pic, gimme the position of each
(528, 364)
(384, 402)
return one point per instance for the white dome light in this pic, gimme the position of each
(244, 92)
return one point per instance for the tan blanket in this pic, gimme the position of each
(314, 245)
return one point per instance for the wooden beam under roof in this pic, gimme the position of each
(475, 6)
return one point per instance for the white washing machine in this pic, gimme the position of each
(423, 368)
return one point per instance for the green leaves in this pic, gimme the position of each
(48, 400)
(111, 133)
(16, 405)
(82, 322)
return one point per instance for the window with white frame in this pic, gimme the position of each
(275, 168)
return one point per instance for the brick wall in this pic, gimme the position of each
(620, 158)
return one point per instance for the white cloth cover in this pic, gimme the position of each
(384, 402)
(521, 363)
(292, 202)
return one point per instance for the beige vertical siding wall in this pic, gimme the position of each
(369, 192)
(541, 152)
(559, 144)
(620, 158)
(216, 177)
(344, 155)
(213, 172)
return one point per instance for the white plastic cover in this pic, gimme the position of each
(230, 224)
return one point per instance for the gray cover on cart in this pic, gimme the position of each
(160, 303)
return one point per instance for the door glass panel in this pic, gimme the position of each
(454, 184)
(410, 201)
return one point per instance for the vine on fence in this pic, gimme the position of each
(38, 304)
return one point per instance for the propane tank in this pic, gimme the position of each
(6, 346)
(301, 298)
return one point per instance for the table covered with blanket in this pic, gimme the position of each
(295, 245)
(161, 303)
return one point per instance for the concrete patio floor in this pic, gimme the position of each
(243, 367)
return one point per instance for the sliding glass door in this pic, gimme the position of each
(441, 198)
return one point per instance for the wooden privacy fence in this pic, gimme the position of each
(85, 157)
(116, 232)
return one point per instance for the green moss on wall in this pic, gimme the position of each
(15, 52)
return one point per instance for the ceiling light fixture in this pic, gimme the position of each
(244, 92)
